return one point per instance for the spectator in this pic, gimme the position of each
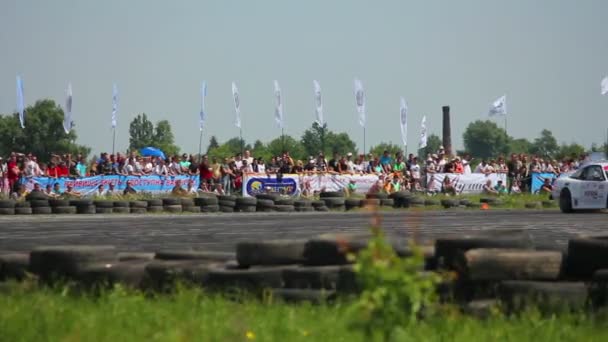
(13, 173)
(248, 157)
(148, 166)
(333, 163)
(399, 165)
(161, 169)
(101, 191)
(458, 167)
(351, 187)
(129, 190)
(184, 164)
(482, 167)
(447, 187)
(178, 191)
(31, 167)
(431, 187)
(546, 188)
(174, 167)
(227, 176)
(205, 174)
(70, 192)
(298, 168)
(386, 159)
(394, 185)
(350, 165)
(516, 187)
(466, 163)
(246, 168)
(488, 189)
(415, 173)
(191, 189)
(321, 163)
(311, 165)
(111, 190)
(20, 194)
(500, 188)
(238, 161)
(81, 167)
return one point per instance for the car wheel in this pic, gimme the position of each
(565, 202)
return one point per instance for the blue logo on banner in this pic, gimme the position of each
(258, 185)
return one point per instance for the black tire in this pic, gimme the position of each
(63, 210)
(284, 201)
(265, 209)
(464, 202)
(246, 201)
(130, 256)
(36, 196)
(333, 202)
(129, 274)
(23, 211)
(212, 208)
(448, 250)
(39, 203)
(103, 204)
(171, 201)
(81, 203)
(120, 204)
(194, 255)
(302, 203)
(59, 203)
(586, 256)
(87, 209)
(331, 194)
(42, 211)
(99, 210)
(284, 208)
(191, 209)
(304, 295)
(245, 279)
(429, 202)
(138, 204)
(121, 210)
(225, 209)
(173, 208)
(204, 201)
(317, 203)
(155, 209)
(510, 264)
(321, 208)
(546, 296)
(387, 202)
(269, 197)
(304, 209)
(351, 203)
(155, 202)
(565, 202)
(263, 203)
(247, 209)
(533, 205)
(7, 204)
(378, 195)
(227, 198)
(223, 203)
(187, 202)
(313, 277)
(369, 202)
(23, 204)
(162, 275)
(66, 261)
(449, 203)
(14, 266)
(416, 201)
(332, 249)
(138, 210)
(400, 194)
(473, 205)
(548, 204)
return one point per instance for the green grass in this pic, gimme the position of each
(28, 313)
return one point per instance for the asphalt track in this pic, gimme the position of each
(220, 232)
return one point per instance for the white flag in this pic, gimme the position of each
(499, 107)
(20, 102)
(67, 114)
(114, 104)
(278, 110)
(423, 136)
(360, 98)
(403, 121)
(318, 103)
(604, 86)
(203, 114)
(237, 105)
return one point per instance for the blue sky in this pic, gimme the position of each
(547, 56)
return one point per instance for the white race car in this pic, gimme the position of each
(587, 188)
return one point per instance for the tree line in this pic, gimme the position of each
(44, 136)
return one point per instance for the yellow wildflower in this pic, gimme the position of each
(250, 335)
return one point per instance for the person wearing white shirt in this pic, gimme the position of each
(248, 157)
(161, 169)
(466, 164)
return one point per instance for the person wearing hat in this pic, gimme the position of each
(311, 165)
(350, 165)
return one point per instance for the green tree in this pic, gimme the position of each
(433, 143)
(212, 144)
(570, 150)
(520, 146)
(381, 147)
(484, 139)
(340, 143)
(545, 145)
(286, 143)
(43, 134)
(163, 138)
(141, 132)
(320, 139)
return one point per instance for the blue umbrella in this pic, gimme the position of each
(152, 152)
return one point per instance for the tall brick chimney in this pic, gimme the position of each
(447, 131)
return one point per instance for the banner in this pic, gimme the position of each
(318, 103)
(296, 185)
(88, 185)
(203, 114)
(403, 120)
(278, 110)
(20, 102)
(237, 105)
(423, 134)
(604, 86)
(539, 178)
(464, 184)
(499, 107)
(360, 99)
(114, 104)
(67, 115)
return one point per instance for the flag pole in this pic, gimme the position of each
(364, 152)
(506, 125)
(200, 146)
(241, 138)
(283, 139)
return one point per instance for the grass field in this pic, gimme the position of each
(28, 313)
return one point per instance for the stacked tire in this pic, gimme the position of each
(264, 204)
(40, 206)
(284, 205)
(172, 205)
(138, 207)
(401, 199)
(155, 205)
(188, 205)
(319, 206)
(303, 206)
(246, 204)
(352, 203)
(227, 203)
(23, 208)
(208, 204)
(83, 206)
(103, 207)
(333, 200)
(61, 206)
(121, 207)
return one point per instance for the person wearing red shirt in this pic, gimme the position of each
(53, 170)
(13, 173)
(63, 170)
(205, 175)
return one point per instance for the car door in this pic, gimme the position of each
(593, 192)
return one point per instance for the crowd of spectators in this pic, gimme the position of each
(225, 176)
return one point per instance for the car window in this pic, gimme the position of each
(578, 174)
(594, 173)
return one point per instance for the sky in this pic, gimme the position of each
(547, 56)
